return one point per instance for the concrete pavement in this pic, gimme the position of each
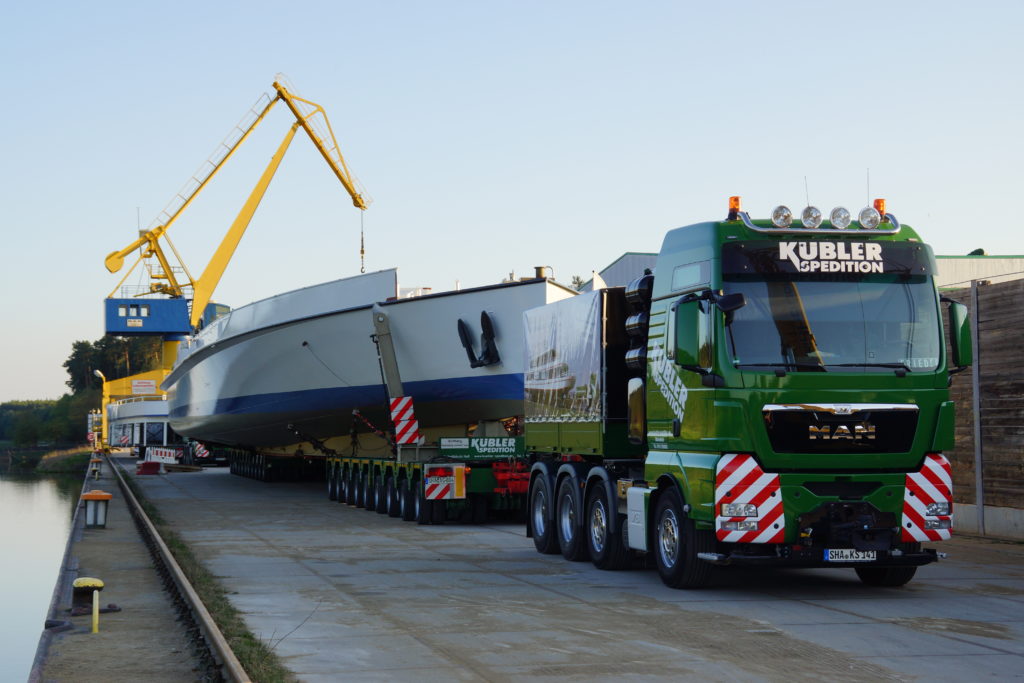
(345, 593)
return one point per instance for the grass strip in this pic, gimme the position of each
(257, 657)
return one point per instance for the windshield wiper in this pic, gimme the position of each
(895, 366)
(784, 366)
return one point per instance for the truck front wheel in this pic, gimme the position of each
(544, 538)
(676, 544)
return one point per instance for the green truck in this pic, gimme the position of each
(774, 393)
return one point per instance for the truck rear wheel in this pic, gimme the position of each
(605, 540)
(350, 486)
(544, 537)
(568, 521)
(677, 542)
(360, 487)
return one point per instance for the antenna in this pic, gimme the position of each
(869, 186)
(807, 192)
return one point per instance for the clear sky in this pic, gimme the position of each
(493, 136)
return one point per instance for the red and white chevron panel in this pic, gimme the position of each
(932, 484)
(739, 479)
(123, 439)
(407, 427)
(200, 451)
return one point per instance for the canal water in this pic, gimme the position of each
(35, 518)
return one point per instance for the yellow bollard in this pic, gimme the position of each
(96, 611)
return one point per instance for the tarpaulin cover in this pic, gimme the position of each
(563, 375)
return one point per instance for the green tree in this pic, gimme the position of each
(27, 429)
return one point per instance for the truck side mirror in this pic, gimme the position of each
(731, 302)
(960, 334)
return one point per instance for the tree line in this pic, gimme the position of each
(63, 421)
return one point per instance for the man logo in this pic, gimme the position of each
(835, 432)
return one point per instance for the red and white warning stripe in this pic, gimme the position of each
(200, 451)
(932, 484)
(123, 439)
(407, 427)
(739, 479)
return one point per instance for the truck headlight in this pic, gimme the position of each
(739, 510)
(937, 509)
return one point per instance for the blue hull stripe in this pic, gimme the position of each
(489, 388)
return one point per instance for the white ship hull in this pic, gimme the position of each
(301, 362)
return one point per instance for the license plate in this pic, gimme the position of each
(849, 555)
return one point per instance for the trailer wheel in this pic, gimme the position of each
(332, 482)
(382, 495)
(391, 497)
(350, 485)
(359, 479)
(605, 540)
(677, 542)
(544, 537)
(423, 506)
(369, 491)
(407, 508)
(568, 521)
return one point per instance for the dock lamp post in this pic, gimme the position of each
(96, 503)
(102, 445)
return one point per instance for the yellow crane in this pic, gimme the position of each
(123, 318)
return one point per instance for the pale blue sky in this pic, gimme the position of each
(493, 136)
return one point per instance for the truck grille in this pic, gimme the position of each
(841, 427)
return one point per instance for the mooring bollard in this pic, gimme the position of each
(80, 590)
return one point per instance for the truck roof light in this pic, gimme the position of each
(733, 208)
(811, 217)
(880, 207)
(782, 216)
(840, 218)
(869, 218)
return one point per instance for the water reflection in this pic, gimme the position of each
(35, 518)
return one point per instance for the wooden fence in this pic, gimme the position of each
(995, 388)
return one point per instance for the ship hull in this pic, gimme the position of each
(281, 370)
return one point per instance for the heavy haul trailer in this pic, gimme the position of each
(773, 394)
(457, 477)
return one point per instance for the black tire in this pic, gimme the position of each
(677, 542)
(569, 521)
(407, 506)
(545, 538)
(369, 491)
(332, 482)
(889, 577)
(359, 481)
(382, 495)
(350, 485)
(392, 497)
(424, 509)
(603, 530)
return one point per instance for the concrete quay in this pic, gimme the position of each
(145, 640)
(345, 594)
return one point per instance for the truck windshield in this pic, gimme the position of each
(803, 324)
